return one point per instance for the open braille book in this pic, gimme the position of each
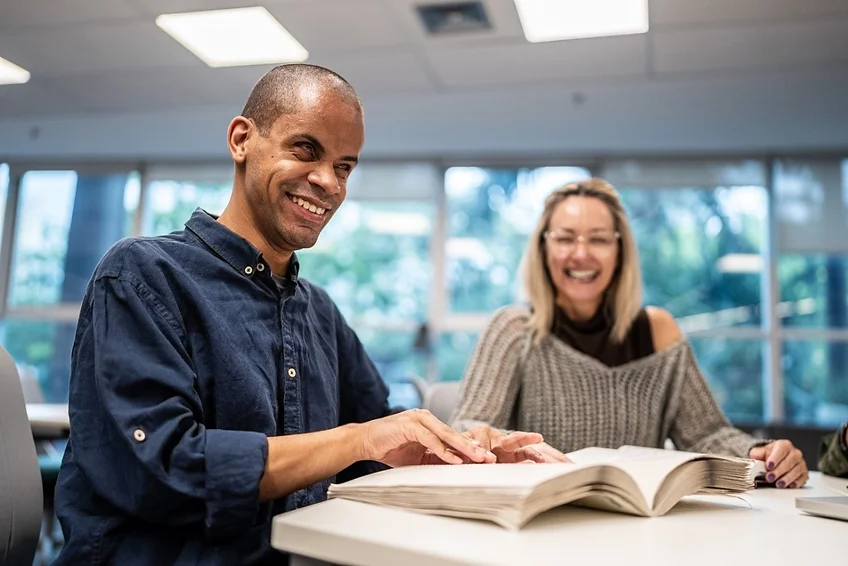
(640, 481)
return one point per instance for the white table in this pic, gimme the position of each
(49, 420)
(758, 527)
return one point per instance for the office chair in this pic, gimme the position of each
(441, 399)
(21, 497)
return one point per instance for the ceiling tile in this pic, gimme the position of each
(157, 7)
(166, 88)
(397, 70)
(20, 13)
(663, 12)
(338, 25)
(320, 25)
(746, 47)
(502, 15)
(35, 98)
(494, 64)
(77, 48)
(155, 89)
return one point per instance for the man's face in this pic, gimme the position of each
(296, 175)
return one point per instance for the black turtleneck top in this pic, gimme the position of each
(592, 337)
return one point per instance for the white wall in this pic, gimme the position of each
(805, 110)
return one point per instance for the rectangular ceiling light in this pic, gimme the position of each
(554, 20)
(11, 74)
(231, 38)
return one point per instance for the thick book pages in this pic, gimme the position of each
(639, 481)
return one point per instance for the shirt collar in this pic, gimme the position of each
(231, 247)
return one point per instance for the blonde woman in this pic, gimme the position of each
(586, 364)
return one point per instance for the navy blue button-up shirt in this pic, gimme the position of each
(187, 357)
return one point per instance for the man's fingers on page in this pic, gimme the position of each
(434, 445)
(465, 459)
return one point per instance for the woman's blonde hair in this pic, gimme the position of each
(623, 297)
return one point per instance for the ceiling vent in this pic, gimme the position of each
(453, 17)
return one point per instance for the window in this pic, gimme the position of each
(734, 371)
(399, 361)
(66, 221)
(701, 251)
(373, 258)
(816, 382)
(812, 220)
(454, 351)
(4, 191)
(171, 203)
(42, 351)
(700, 227)
(491, 213)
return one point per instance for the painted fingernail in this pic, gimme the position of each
(771, 465)
(770, 478)
(793, 485)
(781, 484)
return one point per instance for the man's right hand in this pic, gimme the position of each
(417, 437)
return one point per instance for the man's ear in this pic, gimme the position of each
(239, 136)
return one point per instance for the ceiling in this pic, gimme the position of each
(718, 76)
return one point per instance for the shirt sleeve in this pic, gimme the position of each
(137, 420)
(490, 387)
(833, 459)
(700, 425)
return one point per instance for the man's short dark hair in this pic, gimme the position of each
(278, 92)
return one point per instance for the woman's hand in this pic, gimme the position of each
(549, 453)
(785, 465)
(509, 448)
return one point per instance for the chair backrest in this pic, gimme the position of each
(21, 495)
(30, 385)
(441, 399)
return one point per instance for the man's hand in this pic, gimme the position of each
(785, 465)
(416, 437)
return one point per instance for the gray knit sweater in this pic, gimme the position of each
(575, 401)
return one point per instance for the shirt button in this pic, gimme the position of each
(139, 435)
(248, 270)
(260, 266)
(292, 373)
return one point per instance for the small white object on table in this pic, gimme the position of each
(49, 420)
(758, 527)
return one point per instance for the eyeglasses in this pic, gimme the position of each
(563, 243)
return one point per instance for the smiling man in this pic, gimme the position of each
(211, 386)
